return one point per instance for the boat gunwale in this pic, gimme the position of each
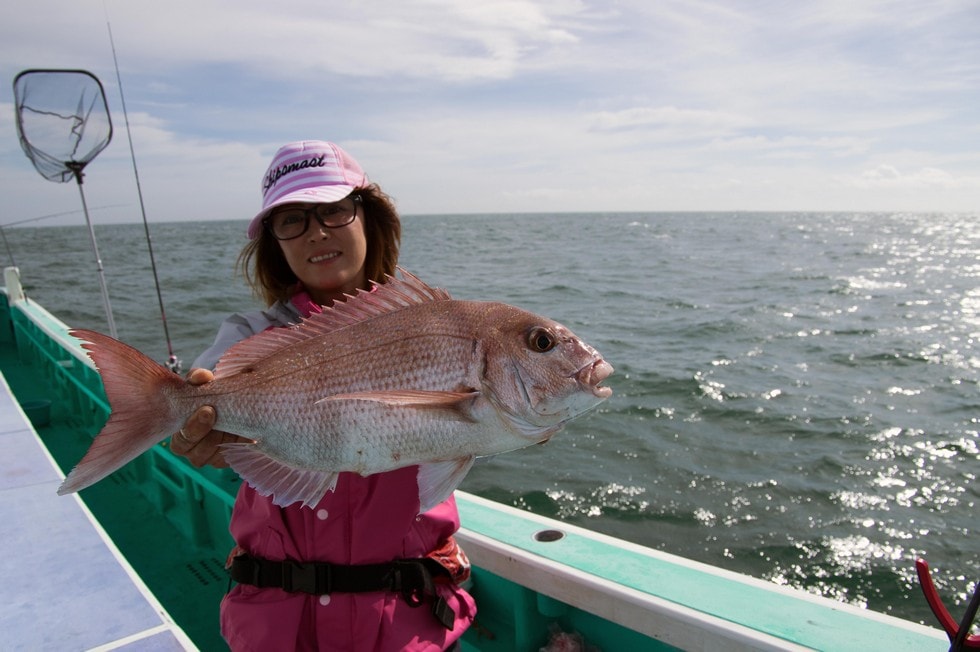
(586, 557)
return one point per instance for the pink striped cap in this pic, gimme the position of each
(311, 171)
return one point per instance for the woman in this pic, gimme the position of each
(324, 232)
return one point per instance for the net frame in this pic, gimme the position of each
(63, 120)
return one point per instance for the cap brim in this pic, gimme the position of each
(318, 195)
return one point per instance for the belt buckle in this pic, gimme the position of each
(298, 577)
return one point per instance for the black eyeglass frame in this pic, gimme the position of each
(312, 211)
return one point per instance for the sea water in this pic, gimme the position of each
(796, 395)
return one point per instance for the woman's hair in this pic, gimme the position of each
(265, 268)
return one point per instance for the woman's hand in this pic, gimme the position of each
(198, 441)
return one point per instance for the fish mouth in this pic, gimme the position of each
(591, 376)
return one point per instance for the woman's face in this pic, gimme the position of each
(329, 261)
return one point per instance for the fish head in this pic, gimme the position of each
(540, 373)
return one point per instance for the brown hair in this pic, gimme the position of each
(265, 268)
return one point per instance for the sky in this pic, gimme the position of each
(456, 106)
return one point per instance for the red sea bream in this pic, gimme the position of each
(401, 375)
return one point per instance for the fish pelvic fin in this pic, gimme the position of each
(438, 480)
(459, 404)
(141, 415)
(270, 477)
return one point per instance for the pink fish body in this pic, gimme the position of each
(404, 375)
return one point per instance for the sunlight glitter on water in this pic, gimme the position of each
(612, 497)
(858, 552)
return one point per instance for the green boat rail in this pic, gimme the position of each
(532, 575)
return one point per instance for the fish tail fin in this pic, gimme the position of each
(141, 413)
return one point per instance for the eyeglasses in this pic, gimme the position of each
(293, 221)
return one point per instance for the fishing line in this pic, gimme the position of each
(10, 253)
(173, 363)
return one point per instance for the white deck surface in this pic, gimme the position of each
(65, 586)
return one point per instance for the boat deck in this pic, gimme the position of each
(65, 584)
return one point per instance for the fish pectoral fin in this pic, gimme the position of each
(270, 477)
(438, 480)
(460, 403)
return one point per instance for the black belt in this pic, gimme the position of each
(412, 578)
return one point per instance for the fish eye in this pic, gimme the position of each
(541, 340)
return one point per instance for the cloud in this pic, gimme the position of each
(794, 146)
(460, 106)
(886, 176)
(682, 121)
(446, 40)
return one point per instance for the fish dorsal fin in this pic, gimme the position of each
(396, 293)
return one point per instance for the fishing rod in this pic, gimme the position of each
(173, 362)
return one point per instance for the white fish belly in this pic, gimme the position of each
(367, 437)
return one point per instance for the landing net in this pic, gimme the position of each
(62, 120)
(63, 123)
